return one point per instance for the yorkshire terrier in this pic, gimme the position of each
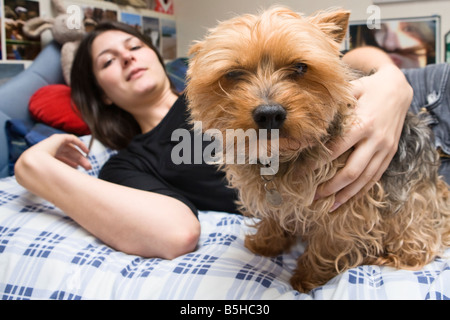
(283, 71)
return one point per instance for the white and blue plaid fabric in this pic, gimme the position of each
(46, 255)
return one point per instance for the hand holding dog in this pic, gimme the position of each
(383, 100)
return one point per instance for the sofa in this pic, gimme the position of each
(16, 93)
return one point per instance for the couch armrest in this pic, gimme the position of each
(16, 93)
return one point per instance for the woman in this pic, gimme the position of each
(128, 100)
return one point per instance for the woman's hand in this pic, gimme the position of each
(383, 100)
(66, 148)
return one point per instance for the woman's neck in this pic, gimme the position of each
(152, 116)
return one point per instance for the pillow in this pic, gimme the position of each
(53, 106)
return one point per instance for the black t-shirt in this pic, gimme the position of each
(147, 164)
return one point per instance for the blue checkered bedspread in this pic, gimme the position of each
(46, 255)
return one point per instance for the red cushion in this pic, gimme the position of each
(53, 106)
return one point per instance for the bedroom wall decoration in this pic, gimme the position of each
(17, 45)
(164, 6)
(169, 39)
(149, 16)
(410, 42)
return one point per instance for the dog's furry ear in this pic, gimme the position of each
(334, 23)
(195, 48)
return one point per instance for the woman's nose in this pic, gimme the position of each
(127, 58)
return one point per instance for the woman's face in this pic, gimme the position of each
(127, 70)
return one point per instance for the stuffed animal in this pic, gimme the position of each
(68, 38)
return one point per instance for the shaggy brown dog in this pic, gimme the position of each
(282, 71)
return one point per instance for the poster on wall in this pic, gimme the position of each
(164, 6)
(93, 16)
(410, 42)
(19, 46)
(144, 4)
(150, 27)
(169, 39)
(132, 19)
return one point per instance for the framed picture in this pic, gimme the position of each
(18, 45)
(164, 6)
(94, 15)
(152, 30)
(132, 19)
(169, 39)
(410, 42)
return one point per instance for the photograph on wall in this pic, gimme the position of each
(93, 16)
(143, 4)
(132, 20)
(169, 39)
(410, 42)
(150, 27)
(164, 6)
(18, 45)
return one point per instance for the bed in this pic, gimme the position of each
(44, 254)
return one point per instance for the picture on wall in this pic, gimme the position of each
(410, 42)
(169, 39)
(150, 27)
(164, 6)
(144, 4)
(93, 16)
(19, 46)
(132, 19)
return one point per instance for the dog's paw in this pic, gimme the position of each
(263, 248)
(300, 284)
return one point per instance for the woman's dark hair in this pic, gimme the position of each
(109, 124)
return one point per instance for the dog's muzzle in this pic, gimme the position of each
(269, 116)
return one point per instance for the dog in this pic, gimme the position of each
(281, 70)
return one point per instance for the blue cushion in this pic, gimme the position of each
(15, 94)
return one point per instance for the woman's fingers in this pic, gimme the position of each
(72, 151)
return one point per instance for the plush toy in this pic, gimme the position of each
(69, 38)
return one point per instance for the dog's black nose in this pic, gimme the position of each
(269, 116)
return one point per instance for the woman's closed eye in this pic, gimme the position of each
(107, 63)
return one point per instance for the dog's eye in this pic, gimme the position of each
(234, 74)
(300, 68)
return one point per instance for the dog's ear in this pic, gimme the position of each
(333, 23)
(195, 48)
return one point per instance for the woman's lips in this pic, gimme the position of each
(136, 73)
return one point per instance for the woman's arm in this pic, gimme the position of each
(367, 59)
(383, 101)
(130, 220)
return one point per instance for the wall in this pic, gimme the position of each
(194, 17)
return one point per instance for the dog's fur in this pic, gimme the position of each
(283, 58)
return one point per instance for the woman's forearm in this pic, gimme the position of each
(367, 59)
(129, 220)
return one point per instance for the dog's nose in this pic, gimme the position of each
(269, 116)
